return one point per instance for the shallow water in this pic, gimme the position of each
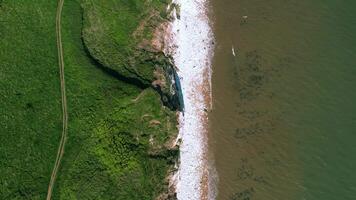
(283, 124)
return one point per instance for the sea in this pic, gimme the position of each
(283, 120)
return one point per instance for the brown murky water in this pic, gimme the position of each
(253, 154)
(279, 101)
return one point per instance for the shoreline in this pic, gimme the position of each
(190, 43)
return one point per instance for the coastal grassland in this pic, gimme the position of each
(30, 114)
(118, 134)
(118, 34)
(117, 128)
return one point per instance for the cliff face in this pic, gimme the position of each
(126, 40)
(127, 37)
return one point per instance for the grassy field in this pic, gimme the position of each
(118, 127)
(30, 115)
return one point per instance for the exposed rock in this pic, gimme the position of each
(155, 122)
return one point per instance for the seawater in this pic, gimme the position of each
(283, 123)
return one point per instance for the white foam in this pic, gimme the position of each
(192, 41)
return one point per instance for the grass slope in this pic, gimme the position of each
(117, 33)
(116, 144)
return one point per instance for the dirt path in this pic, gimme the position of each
(139, 96)
(64, 101)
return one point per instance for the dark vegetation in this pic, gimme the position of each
(117, 146)
(30, 114)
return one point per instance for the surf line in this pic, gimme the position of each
(191, 46)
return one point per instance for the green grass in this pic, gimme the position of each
(108, 153)
(30, 115)
(113, 31)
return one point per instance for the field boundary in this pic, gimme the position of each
(62, 142)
